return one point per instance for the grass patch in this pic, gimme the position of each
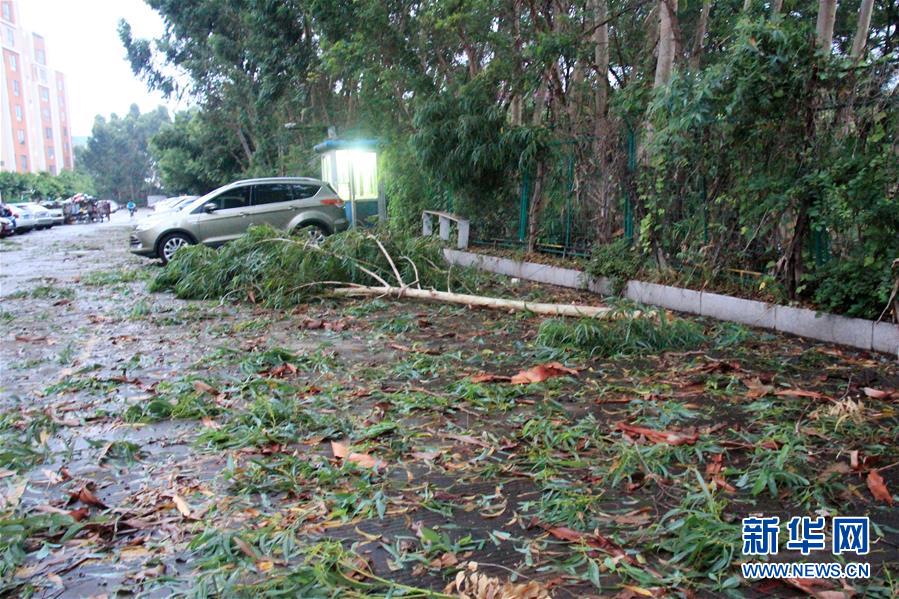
(44, 292)
(174, 400)
(99, 278)
(625, 336)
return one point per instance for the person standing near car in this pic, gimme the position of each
(6, 212)
(131, 208)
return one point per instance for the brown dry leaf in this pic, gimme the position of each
(799, 393)
(264, 565)
(340, 450)
(878, 394)
(444, 561)
(80, 514)
(540, 373)
(654, 436)
(245, 548)
(756, 388)
(594, 540)
(201, 387)
(210, 423)
(471, 584)
(878, 487)
(181, 504)
(489, 378)
(86, 496)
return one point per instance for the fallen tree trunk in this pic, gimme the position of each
(484, 302)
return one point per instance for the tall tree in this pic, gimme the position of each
(118, 156)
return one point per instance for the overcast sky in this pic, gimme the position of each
(83, 43)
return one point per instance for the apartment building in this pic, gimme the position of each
(35, 134)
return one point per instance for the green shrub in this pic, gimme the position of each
(618, 261)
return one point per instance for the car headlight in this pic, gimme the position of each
(140, 227)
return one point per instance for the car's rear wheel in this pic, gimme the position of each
(171, 243)
(312, 234)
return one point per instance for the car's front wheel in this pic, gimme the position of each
(312, 234)
(170, 244)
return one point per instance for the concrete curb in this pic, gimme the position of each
(854, 332)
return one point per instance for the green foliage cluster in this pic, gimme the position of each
(265, 266)
(44, 186)
(619, 261)
(763, 151)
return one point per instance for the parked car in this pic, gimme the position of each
(297, 205)
(25, 219)
(169, 204)
(7, 227)
(42, 216)
(56, 216)
(113, 206)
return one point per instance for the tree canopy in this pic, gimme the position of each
(118, 156)
(747, 135)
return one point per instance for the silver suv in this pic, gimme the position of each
(297, 205)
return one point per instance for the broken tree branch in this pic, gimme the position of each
(481, 301)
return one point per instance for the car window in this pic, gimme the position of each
(272, 193)
(239, 197)
(301, 191)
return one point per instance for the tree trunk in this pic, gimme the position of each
(861, 32)
(747, 4)
(827, 12)
(601, 57)
(776, 7)
(667, 42)
(536, 207)
(699, 40)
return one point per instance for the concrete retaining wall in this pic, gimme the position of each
(854, 332)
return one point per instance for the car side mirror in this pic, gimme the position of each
(210, 207)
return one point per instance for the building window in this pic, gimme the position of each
(45, 113)
(51, 154)
(13, 63)
(15, 87)
(48, 132)
(52, 169)
(7, 12)
(22, 136)
(10, 36)
(40, 56)
(45, 94)
(65, 132)
(18, 113)
(23, 162)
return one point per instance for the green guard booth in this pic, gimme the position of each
(350, 166)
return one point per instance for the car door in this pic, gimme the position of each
(229, 217)
(272, 205)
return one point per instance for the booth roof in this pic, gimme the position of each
(346, 144)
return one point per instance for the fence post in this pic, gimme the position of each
(705, 210)
(631, 168)
(523, 213)
(568, 204)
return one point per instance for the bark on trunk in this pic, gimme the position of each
(601, 57)
(776, 7)
(699, 40)
(827, 12)
(535, 208)
(860, 42)
(667, 41)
